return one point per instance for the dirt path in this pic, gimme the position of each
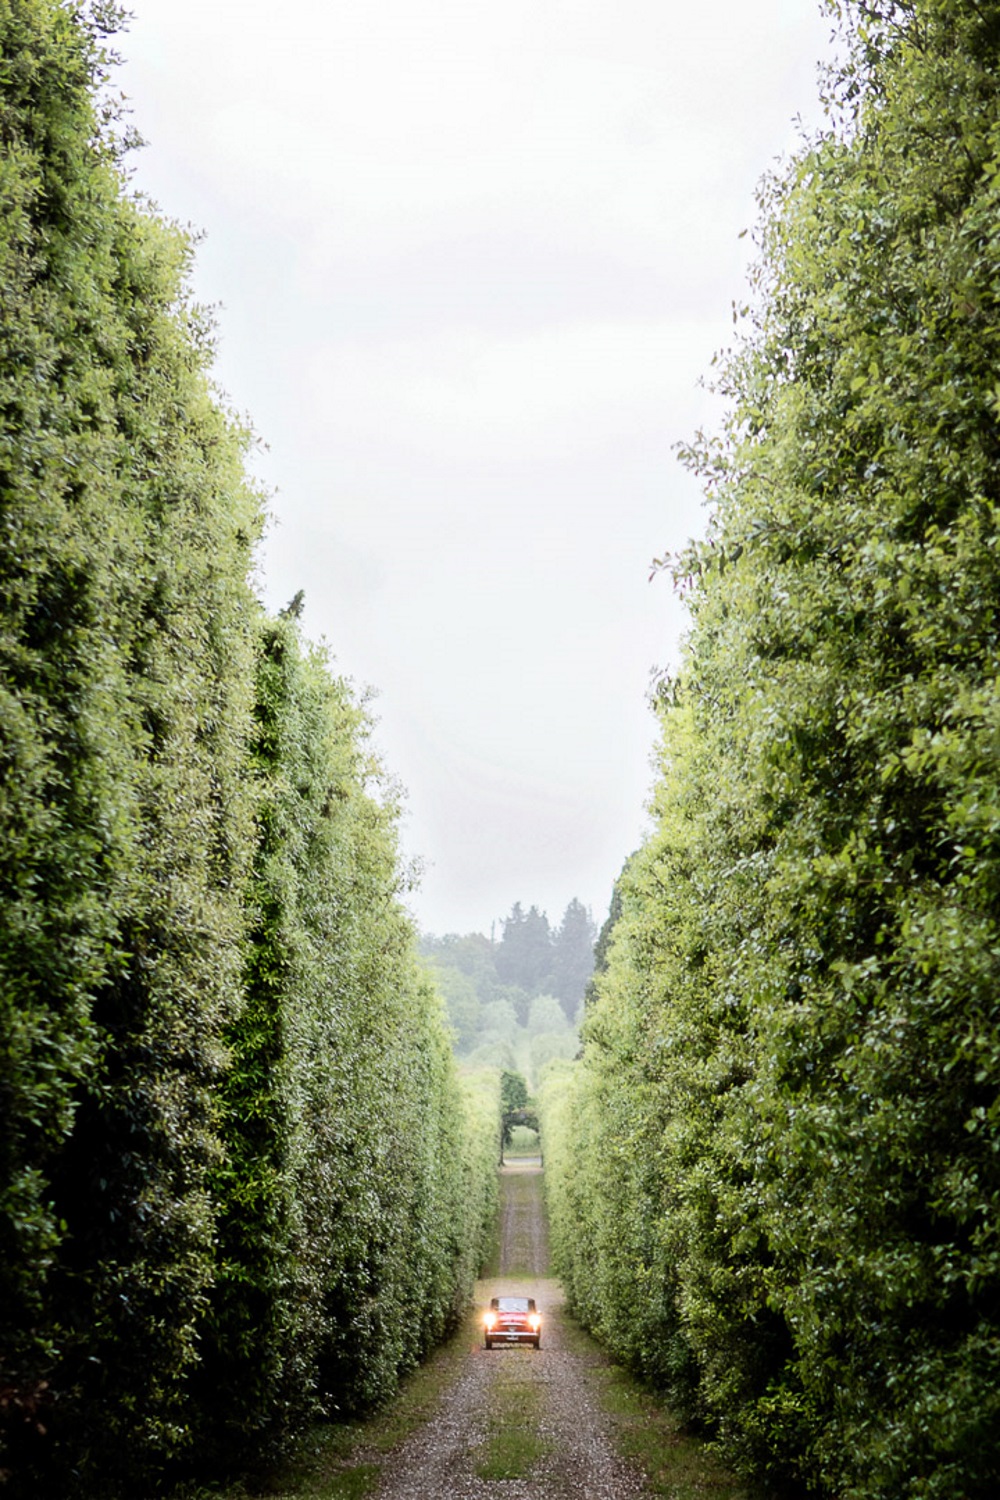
(516, 1412)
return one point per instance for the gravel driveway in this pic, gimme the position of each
(439, 1462)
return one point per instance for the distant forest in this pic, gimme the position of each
(514, 1003)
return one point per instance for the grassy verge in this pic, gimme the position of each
(343, 1461)
(673, 1462)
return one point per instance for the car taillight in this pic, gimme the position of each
(490, 1320)
(535, 1321)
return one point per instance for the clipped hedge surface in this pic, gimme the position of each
(126, 649)
(240, 1180)
(352, 1188)
(790, 1165)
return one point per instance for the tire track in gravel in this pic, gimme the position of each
(580, 1463)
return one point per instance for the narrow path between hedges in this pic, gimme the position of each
(518, 1422)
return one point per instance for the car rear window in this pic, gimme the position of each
(513, 1304)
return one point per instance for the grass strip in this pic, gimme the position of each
(513, 1444)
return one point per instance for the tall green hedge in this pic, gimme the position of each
(127, 649)
(240, 1182)
(350, 1230)
(794, 1058)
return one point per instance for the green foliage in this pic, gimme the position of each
(517, 1024)
(517, 1110)
(524, 955)
(536, 960)
(461, 1003)
(573, 957)
(513, 1092)
(603, 943)
(126, 640)
(240, 1178)
(782, 1144)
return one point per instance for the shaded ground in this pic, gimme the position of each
(518, 1422)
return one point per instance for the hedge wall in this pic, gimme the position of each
(784, 1133)
(240, 1182)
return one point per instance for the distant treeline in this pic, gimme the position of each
(514, 1003)
(240, 1180)
(775, 1175)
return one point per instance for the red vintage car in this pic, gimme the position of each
(512, 1320)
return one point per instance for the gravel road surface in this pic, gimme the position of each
(577, 1459)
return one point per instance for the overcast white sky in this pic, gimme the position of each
(472, 260)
